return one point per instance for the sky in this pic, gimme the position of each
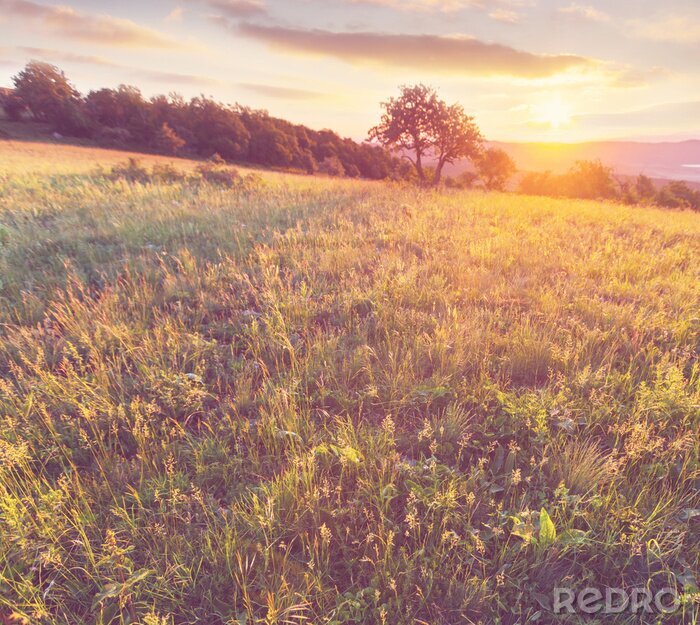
(527, 70)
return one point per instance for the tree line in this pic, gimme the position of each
(592, 180)
(417, 121)
(201, 127)
(417, 136)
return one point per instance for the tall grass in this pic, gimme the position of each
(332, 402)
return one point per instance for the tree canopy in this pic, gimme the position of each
(201, 127)
(419, 122)
(495, 168)
(45, 91)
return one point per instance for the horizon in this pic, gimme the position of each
(624, 73)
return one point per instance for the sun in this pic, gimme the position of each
(553, 112)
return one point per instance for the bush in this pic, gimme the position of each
(465, 180)
(586, 180)
(678, 194)
(215, 172)
(167, 173)
(131, 171)
(252, 183)
(539, 183)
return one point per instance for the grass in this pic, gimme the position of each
(338, 402)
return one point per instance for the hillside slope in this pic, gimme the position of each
(340, 402)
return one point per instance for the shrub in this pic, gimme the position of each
(214, 172)
(465, 180)
(678, 194)
(167, 173)
(586, 180)
(131, 171)
(539, 183)
(252, 183)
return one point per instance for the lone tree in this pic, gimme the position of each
(495, 168)
(418, 121)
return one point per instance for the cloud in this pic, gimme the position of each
(175, 15)
(451, 55)
(634, 77)
(165, 77)
(659, 115)
(452, 6)
(504, 15)
(445, 6)
(284, 93)
(173, 78)
(586, 12)
(57, 56)
(668, 29)
(90, 28)
(239, 8)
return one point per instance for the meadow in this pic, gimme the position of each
(312, 400)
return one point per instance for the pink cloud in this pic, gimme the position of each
(449, 55)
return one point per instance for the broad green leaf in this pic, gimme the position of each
(523, 530)
(548, 532)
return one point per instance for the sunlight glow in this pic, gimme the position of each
(554, 112)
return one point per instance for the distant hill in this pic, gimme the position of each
(663, 161)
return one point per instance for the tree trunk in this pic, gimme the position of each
(438, 172)
(419, 167)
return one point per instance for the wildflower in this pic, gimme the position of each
(516, 477)
(427, 431)
(170, 465)
(388, 425)
(13, 455)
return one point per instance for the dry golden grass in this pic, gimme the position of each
(40, 158)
